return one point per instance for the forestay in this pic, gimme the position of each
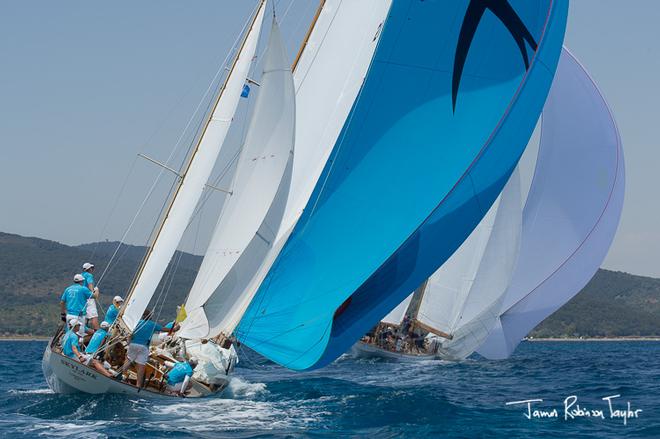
(194, 179)
(572, 210)
(413, 171)
(251, 216)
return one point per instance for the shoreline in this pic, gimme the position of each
(574, 339)
(548, 339)
(24, 338)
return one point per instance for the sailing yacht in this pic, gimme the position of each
(522, 263)
(267, 154)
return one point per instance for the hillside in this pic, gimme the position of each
(33, 273)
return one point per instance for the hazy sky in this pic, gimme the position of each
(85, 86)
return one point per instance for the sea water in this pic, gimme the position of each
(547, 389)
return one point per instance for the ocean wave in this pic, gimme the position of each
(45, 391)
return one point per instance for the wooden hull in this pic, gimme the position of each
(65, 375)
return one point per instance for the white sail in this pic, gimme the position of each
(572, 210)
(327, 80)
(252, 215)
(194, 180)
(459, 295)
(448, 288)
(395, 317)
(481, 306)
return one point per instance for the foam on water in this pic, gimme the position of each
(31, 392)
(241, 389)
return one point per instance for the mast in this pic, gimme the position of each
(413, 311)
(309, 33)
(416, 301)
(182, 178)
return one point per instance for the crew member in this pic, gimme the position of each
(113, 310)
(92, 312)
(74, 301)
(97, 339)
(71, 348)
(138, 347)
(178, 378)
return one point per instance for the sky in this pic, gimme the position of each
(86, 86)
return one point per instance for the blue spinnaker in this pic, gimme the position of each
(428, 146)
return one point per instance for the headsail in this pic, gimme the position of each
(194, 179)
(572, 210)
(478, 310)
(409, 177)
(251, 216)
(395, 317)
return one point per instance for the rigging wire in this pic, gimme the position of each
(176, 146)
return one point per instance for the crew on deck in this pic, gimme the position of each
(71, 348)
(97, 339)
(73, 302)
(92, 312)
(138, 348)
(178, 378)
(113, 310)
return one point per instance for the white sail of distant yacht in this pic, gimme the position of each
(563, 234)
(572, 211)
(193, 180)
(460, 301)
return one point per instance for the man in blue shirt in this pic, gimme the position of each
(73, 301)
(70, 342)
(113, 310)
(92, 313)
(138, 347)
(71, 348)
(97, 339)
(178, 378)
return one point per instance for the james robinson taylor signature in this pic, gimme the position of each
(573, 410)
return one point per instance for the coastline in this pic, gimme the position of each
(574, 339)
(24, 338)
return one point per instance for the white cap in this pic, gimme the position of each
(105, 324)
(117, 299)
(73, 322)
(193, 360)
(78, 278)
(87, 265)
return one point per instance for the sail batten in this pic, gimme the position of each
(195, 178)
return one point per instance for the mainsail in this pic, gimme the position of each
(193, 180)
(410, 176)
(251, 217)
(572, 210)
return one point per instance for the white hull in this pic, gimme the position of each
(65, 375)
(364, 350)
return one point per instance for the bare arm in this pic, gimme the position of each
(184, 386)
(62, 307)
(76, 351)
